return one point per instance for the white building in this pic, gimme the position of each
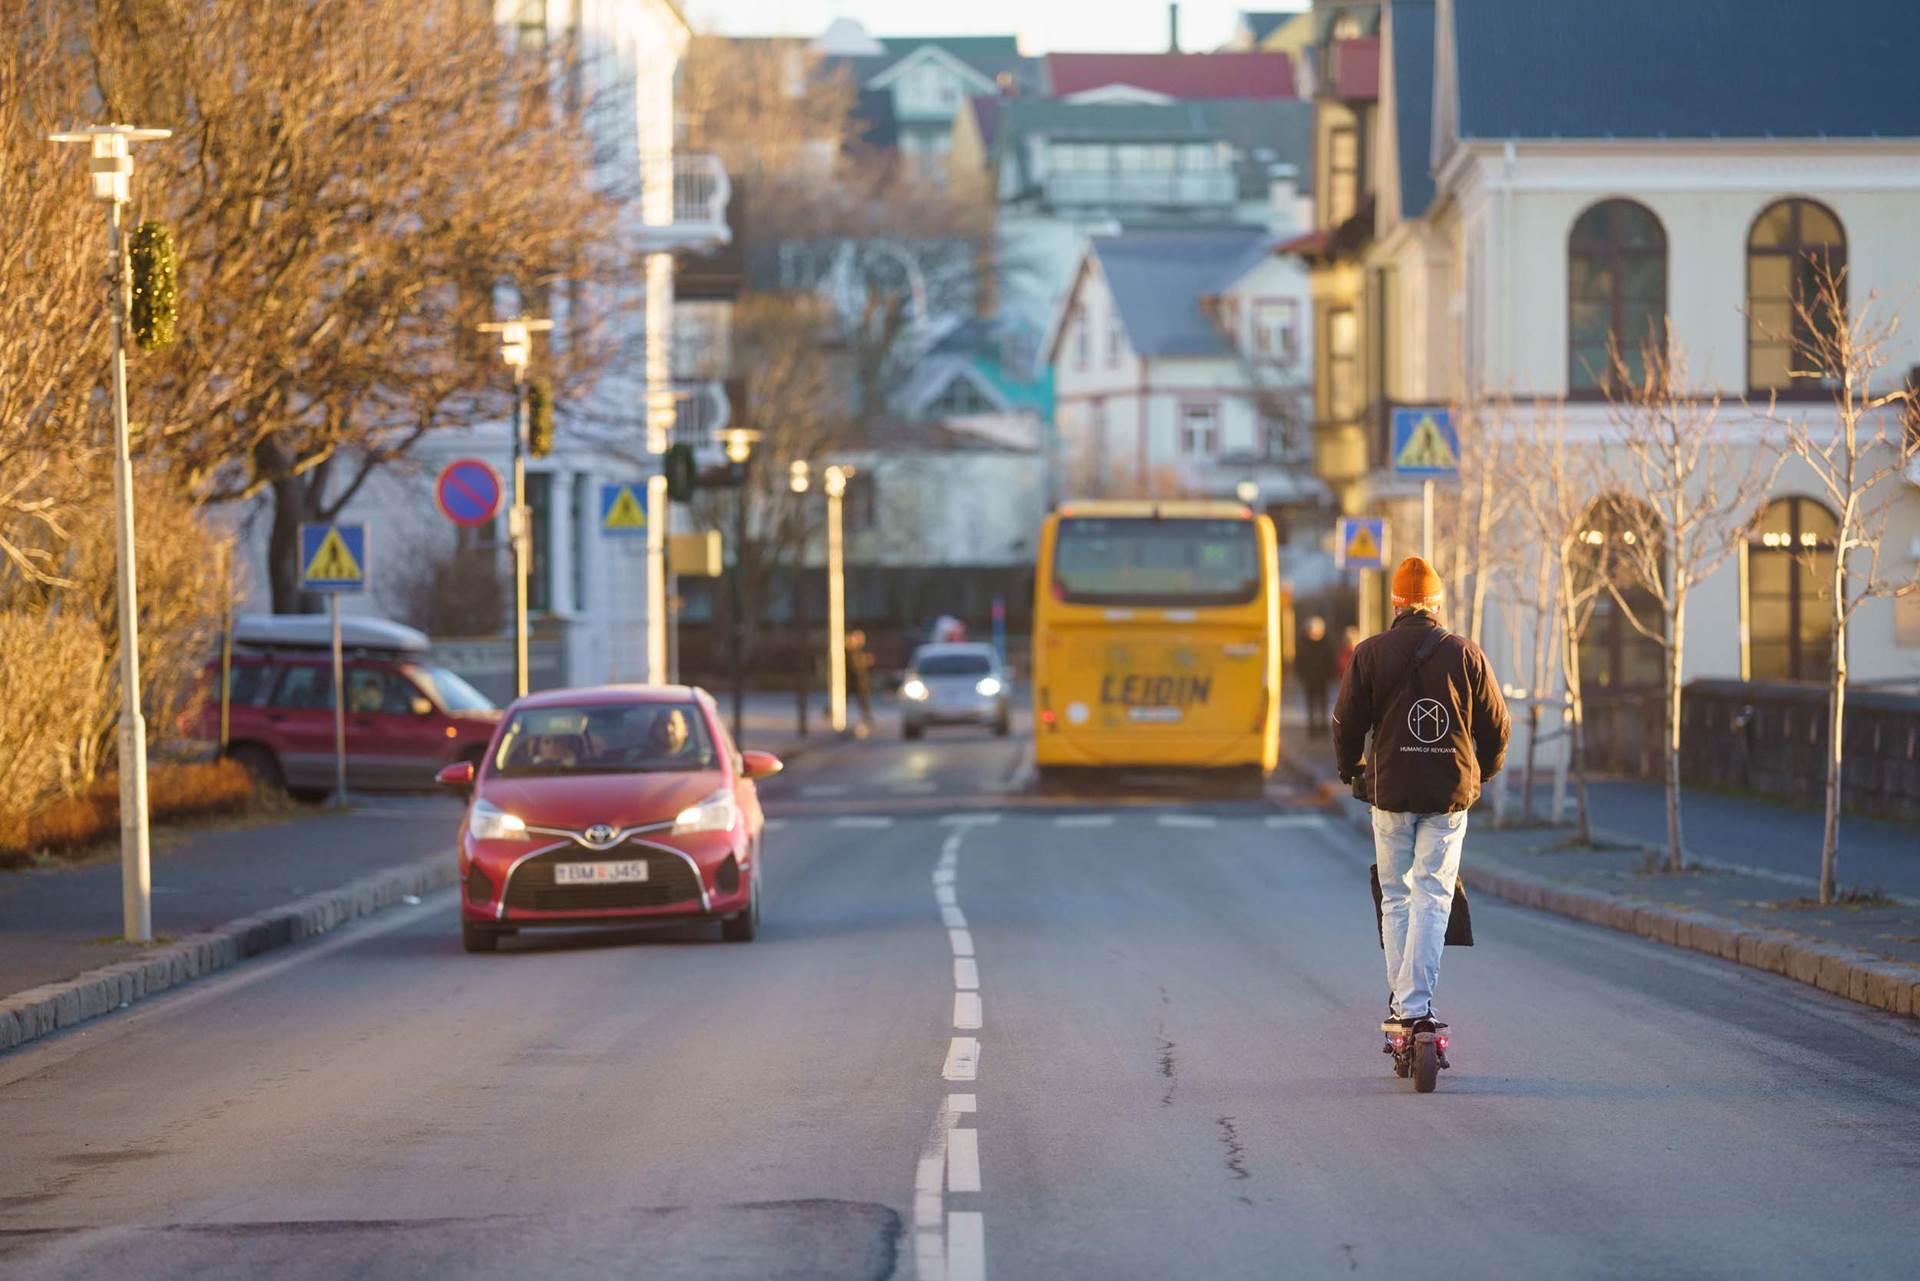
(1620, 170)
(1181, 364)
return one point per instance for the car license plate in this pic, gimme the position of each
(1161, 714)
(620, 873)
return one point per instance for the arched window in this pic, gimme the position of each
(1614, 654)
(1791, 247)
(1616, 291)
(1789, 565)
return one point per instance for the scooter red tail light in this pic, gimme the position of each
(1441, 1041)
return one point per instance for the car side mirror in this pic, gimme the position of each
(458, 774)
(760, 764)
(421, 706)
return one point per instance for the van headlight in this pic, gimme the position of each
(987, 687)
(717, 813)
(488, 822)
(914, 689)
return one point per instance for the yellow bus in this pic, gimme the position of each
(1156, 638)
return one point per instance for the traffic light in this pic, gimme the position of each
(679, 468)
(540, 418)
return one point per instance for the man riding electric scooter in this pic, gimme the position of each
(1439, 728)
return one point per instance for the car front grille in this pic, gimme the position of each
(670, 879)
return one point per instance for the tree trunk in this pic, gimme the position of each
(292, 504)
(1536, 679)
(1836, 725)
(1675, 625)
(1576, 702)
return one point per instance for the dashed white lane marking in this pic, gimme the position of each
(966, 1246)
(1083, 820)
(826, 789)
(966, 973)
(963, 1161)
(966, 1011)
(962, 941)
(774, 824)
(914, 787)
(943, 875)
(929, 1207)
(1296, 820)
(952, 918)
(969, 820)
(1187, 820)
(963, 1059)
(869, 822)
(943, 895)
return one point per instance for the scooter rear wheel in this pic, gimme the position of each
(1426, 1065)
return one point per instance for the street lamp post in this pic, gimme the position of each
(739, 442)
(112, 167)
(516, 349)
(834, 481)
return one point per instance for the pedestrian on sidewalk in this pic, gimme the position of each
(1343, 657)
(1439, 729)
(1313, 664)
(860, 678)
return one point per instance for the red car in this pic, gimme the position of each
(613, 806)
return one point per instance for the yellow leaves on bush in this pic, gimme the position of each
(175, 790)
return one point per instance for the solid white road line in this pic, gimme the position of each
(963, 1160)
(952, 919)
(966, 1246)
(1187, 820)
(962, 942)
(966, 973)
(826, 789)
(865, 821)
(969, 820)
(963, 1059)
(1296, 820)
(914, 787)
(1083, 820)
(966, 1011)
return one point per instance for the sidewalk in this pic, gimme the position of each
(58, 922)
(1868, 951)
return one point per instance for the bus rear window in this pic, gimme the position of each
(1141, 561)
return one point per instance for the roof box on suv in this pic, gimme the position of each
(314, 631)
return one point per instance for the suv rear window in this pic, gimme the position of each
(306, 686)
(1142, 561)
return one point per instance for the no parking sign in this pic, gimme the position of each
(468, 492)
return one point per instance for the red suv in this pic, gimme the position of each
(406, 717)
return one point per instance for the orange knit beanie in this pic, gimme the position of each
(1416, 585)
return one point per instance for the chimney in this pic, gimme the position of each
(1173, 27)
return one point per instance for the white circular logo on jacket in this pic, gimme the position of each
(1427, 720)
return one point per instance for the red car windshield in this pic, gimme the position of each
(621, 738)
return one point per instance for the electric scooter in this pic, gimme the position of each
(1419, 1050)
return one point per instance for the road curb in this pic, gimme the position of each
(37, 1012)
(1842, 971)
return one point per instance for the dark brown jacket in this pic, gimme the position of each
(1444, 732)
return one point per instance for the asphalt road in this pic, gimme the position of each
(983, 1034)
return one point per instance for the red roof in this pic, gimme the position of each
(1306, 244)
(1356, 69)
(1177, 75)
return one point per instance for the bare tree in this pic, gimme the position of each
(1856, 460)
(1692, 493)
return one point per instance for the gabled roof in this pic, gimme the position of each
(1261, 23)
(1159, 278)
(1186, 76)
(1411, 27)
(1692, 69)
(1262, 132)
(990, 56)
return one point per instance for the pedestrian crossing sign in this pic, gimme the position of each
(1425, 442)
(333, 557)
(1362, 542)
(623, 511)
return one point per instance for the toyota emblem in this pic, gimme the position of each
(601, 834)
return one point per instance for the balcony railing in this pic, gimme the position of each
(1184, 190)
(701, 410)
(701, 191)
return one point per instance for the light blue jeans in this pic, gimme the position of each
(1419, 858)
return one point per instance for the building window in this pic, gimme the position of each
(959, 397)
(1792, 247)
(1200, 429)
(540, 571)
(1082, 339)
(1614, 654)
(1116, 338)
(586, 524)
(862, 509)
(1343, 365)
(1789, 561)
(1276, 330)
(1616, 292)
(1343, 173)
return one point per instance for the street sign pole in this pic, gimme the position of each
(136, 867)
(339, 798)
(517, 528)
(836, 485)
(1426, 520)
